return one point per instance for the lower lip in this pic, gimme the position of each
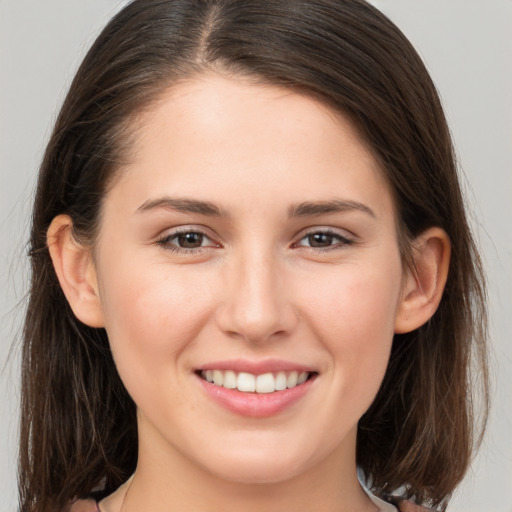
(256, 405)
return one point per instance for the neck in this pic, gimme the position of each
(164, 484)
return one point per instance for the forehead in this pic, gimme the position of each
(211, 102)
(213, 134)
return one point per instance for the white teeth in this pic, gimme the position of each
(249, 383)
(229, 379)
(265, 383)
(291, 381)
(218, 377)
(246, 382)
(280, 381)
(302, 377)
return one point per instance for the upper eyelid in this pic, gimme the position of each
(172, 233)
(345, 238)
(178, 230)
(342, 233)
(330, 230)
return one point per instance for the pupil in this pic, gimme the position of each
(190, 240)
(320, 240)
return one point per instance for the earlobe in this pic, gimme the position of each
(424, 284)
(75, 270)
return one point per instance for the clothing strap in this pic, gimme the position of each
(92, 506)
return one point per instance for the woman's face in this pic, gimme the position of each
(251, 241)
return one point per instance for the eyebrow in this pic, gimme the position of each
(311, 209)
(183, 205)
(305, 209)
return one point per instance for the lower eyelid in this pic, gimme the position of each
(339, 238)
(166, 241)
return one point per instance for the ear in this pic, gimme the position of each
(424, 283)
(75, 270)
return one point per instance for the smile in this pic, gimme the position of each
(251, 383)
(256, 389)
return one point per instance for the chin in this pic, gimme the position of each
(260, 466)
(258, 474)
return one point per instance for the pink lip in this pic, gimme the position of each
(255, 405)
(257, 367)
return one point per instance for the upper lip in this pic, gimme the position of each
(256, 367)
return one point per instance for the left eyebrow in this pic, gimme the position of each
(311, 209)
(184, 205)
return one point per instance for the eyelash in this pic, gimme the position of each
(343, 241)
(165, 242)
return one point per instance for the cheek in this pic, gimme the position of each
(151, 316)
(354, 317)
(357, 299)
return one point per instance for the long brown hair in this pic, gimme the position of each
(78, 424)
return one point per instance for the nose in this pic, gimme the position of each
(257, 305)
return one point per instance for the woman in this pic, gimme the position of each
(252, 270)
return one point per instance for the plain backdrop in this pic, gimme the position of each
(467, 46)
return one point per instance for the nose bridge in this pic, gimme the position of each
(257, 304)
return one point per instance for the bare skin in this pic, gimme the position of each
(252, 227)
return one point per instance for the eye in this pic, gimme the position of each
(190, 240)
(186, 241)
(325, 239)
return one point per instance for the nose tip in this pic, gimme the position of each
(257, 307)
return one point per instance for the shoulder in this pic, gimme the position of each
(82, 506)
(92, 506)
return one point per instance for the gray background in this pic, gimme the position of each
(467, 45)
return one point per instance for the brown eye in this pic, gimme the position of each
(320, 240)
(190, 240)
(186, 241)
(325, 240)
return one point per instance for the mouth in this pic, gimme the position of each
(264, 383)
(256, 389)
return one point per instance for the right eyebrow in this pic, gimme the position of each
(184, 205)
(317, 208)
